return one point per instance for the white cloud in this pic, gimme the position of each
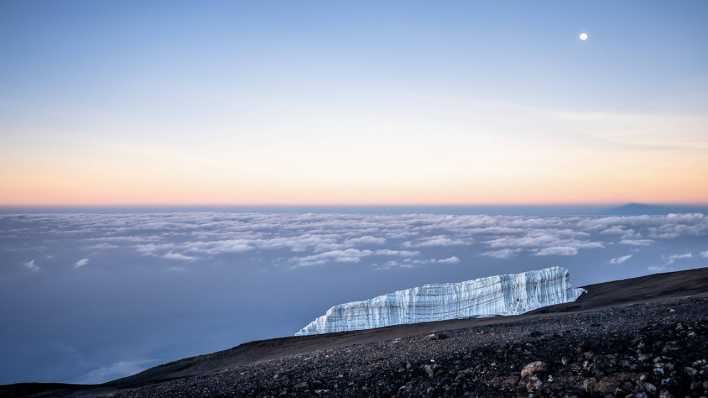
(637, 242)
(394, 264)
(409, 262)
(685, 217)
(102, 246)
(81, 263)
(218, 247)
(334, 256)
(557, 251)
(400, 253)
(127, 239)
(448, 260)
(620, 260)
(502, 253)
(626, 233)
(316, 238)
(318, 242)
(668, 260)
(614, 230)
(366, 240)
(437, 240)
(30, 265)
(177, 256)
(152, 249)
(704, 254)
(549, 243)
(669, 226)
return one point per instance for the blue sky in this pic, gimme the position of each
(329, 102)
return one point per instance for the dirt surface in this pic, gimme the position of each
(637, 337)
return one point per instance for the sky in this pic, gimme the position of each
(93, 295)
(332, 103)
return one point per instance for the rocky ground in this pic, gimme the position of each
(641, 350)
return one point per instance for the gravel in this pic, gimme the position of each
(642, 350)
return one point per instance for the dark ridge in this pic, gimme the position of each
(638, 209)
(30, 389)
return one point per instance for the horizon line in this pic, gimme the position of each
(342, 205)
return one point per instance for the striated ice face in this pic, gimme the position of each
(510, 294)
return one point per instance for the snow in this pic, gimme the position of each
(509, 294)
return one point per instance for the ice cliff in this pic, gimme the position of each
(510, 294)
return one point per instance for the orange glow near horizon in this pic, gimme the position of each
(466, 153)
(563, 181)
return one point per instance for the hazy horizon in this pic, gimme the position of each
(304, 206)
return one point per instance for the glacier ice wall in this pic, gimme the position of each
(509, 294)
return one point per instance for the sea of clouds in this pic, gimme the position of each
(320, 239)
(95, 295)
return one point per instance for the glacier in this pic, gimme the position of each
(509, 294)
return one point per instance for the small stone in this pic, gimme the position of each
(690, 371)
(665, 394)
(650, 388)
(301, 386)
(605, 386)
(533, 368)
(534, 384)
(589, 385)
(429, 371)
(436, 336)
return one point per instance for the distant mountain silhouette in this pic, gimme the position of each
(634, 209)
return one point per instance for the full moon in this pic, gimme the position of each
(583, 36)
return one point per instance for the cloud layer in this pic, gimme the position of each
(303, 240)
